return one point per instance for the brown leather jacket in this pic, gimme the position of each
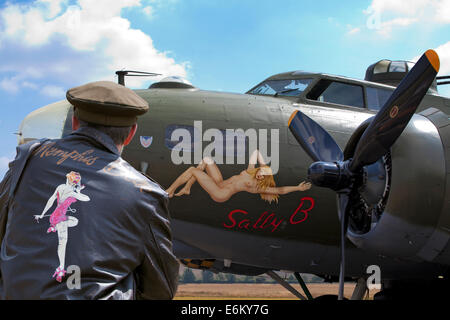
(78, 222)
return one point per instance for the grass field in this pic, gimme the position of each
(214, 291)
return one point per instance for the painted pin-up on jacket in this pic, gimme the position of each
(65, 195)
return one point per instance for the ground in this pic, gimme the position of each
(207, 291)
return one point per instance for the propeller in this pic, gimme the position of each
(330, 170)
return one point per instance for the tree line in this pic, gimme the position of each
(206, 276)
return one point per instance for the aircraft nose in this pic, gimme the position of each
(52, 121)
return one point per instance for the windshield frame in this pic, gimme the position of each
(284, 91)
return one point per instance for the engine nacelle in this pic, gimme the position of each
(415, 222)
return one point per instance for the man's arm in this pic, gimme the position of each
(49, 204)
(157, 276)
(4, 198)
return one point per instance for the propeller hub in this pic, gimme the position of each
(333, 175)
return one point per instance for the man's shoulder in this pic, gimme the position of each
(24, 151)
(25, 148)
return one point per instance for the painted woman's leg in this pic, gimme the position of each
(186, 190)
(61, 228)
(72, 222)
(216, 193)
(213, 170)
(182, 179)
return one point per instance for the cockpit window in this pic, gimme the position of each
(337, 92)
(377, 97)
(286, 87)
(397, 66)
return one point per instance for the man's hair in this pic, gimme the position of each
(117, 134)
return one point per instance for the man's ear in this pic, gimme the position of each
(75, 123)
(130, 135)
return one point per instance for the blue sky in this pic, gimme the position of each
(49, 46)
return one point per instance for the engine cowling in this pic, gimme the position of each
(409, 216)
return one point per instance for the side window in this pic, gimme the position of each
(376, 97)
(337, 92)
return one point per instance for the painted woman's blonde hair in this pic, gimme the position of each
(73, 177)
(263, 184)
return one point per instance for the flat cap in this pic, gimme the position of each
(106, 103)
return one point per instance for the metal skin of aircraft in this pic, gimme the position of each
(376, 157)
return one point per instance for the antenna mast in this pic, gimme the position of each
(121, 74)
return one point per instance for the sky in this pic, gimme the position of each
(50, 46)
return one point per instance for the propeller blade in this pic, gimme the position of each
(316, 142)
(392, 119)
(343, 203)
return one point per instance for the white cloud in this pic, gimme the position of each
(443, 52)
(54, 7)
(444, 55)
(403, 7)
(15, 83)
(442, 12)
(385, 27)
(89, 29)
(10, 85)
(389, 14)
(26, 77)
(54, 91)
(30, 85)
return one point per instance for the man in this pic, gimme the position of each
(76, 220)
